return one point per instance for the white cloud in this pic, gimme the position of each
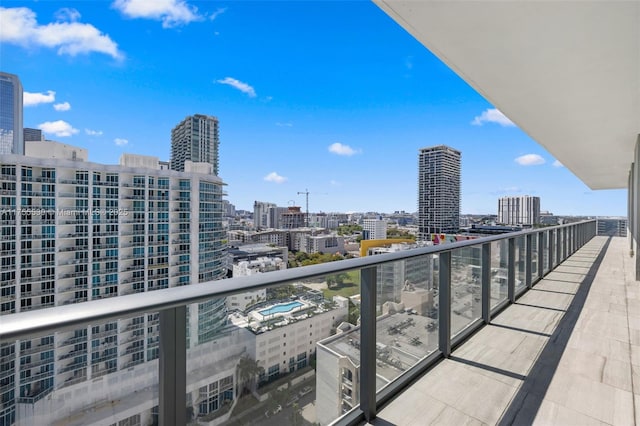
(93, 132)
(557, 163)
(217, 13)
(172, 13)
(530, 160)
(58, 128)
(19, 26)
(288, 124)
(274, 177)
(340, 149)
(120, 141)
(492, 115)
(64, 106)
(67, 14)
(32, 99)
(243, 87)
(335, 183)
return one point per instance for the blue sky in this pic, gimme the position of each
(333, 97)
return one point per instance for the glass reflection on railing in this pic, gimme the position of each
(520, 260)
(466, 287)
(499, 272)
(407, 323)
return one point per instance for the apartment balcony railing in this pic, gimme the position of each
(525, 257)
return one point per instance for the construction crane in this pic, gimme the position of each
(306, 194)
(306, 215)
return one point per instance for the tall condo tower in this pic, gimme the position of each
(195, 138)
(438, 191)
(521, 210)
(11, 140)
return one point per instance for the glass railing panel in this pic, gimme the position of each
(520, 260)
(545, 252)
(407, 324)
(499, 271)
(93, 374)
(279, 349)
(466, 287)
(534, 258)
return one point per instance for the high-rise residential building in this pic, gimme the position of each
(11, 139)
(261, 214)
(374, 229)
(196, 138)
(75, 231)
(438, 191)
(32, 135)
(519, 210)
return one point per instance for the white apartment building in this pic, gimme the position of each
(74, 231)
(245, 268)
(519, 210)
(329, 243)
(261, 214)
(374, 229)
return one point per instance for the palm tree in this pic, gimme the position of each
(248, 369)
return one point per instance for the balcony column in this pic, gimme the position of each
(511, 271)
(173, 367)
(630, 218)
(550, 250)
(486, 282)
(444, 303)
(368, 288)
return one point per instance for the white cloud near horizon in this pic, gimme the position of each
(20, 27)
(33, 99)
(93, 132)
(237, 84)
(557, 163)
(120, 141)
(58, 128)
(287, 124)
(67, 14)
(530, 160)
(275, 177)
(172, 13)
(64, 106)
(341, 149)
(492, 115)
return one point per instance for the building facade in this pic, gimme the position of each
(522, 210)
(196, 138)
(261, 214)
(32, 135)
(11, 131)
(75, 231)
(438, 191)
(374, 229)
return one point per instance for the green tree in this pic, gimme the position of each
(248, 370)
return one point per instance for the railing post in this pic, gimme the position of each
(528, 259)
(565, 244)
(550, 240)
(511, 271)
(368, 288)
(486, 282)
(444, 303)
(173, 367)
(540, 271)
(558, 246)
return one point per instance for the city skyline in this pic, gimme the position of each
(309, 97)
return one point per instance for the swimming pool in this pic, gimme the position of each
(281, 308)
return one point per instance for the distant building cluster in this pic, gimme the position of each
(521, 210)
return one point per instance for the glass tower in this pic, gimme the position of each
(11, 141)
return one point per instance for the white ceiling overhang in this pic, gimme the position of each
(567, 73)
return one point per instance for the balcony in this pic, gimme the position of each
(496, 332)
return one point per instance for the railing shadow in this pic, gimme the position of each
(527, 401)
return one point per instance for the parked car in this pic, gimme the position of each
(292, 400)
(277, 409)
(305, 390)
